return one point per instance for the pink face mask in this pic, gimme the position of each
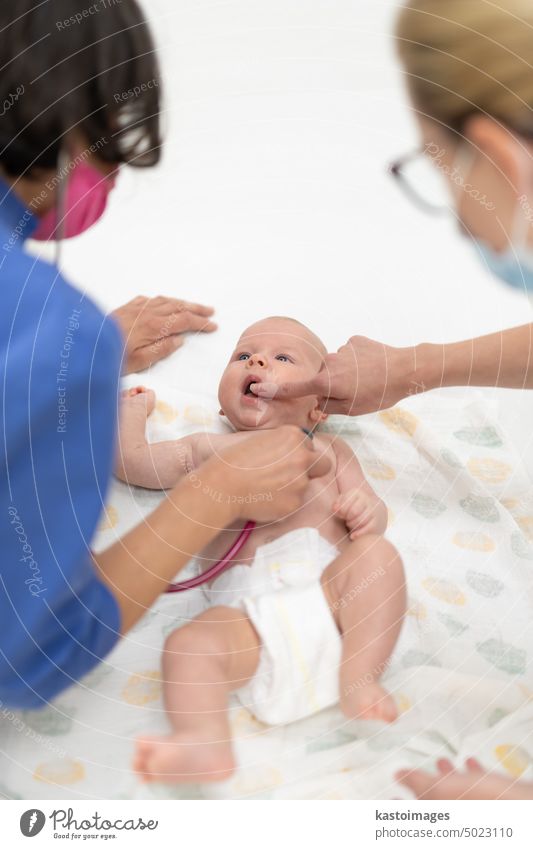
(85, 200)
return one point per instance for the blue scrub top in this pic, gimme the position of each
(59, 369)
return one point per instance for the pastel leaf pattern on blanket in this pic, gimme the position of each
(400, 421)
(414, 657)
(487, 436)
(332, 740)
(439, 738)
(108, 519)
(265, 779)
(473, 541)
(451, 459)
(480, 507)
(444, 590)
(484, 585)
(525, 523)
(503, 656)
(198, 416)
(51, 720)
(60, 771)
(427, 506)
(496, 716)
(453, 626)
(521, 547)
(489, 470)
(94, 678)
(380, 471)
(403, 703)
(142, 688)
(244, 723)
(417, 610)
(513, 758)
(341, 425)
(165, 412)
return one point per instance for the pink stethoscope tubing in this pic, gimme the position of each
(225, 562)
(217, 568)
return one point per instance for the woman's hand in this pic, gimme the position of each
(362, 512)
(153, 328)
(474, 783)
(265, 475)
(363, 376)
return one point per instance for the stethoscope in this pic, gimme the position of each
(226, 561)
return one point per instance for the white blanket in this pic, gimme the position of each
(462, 517)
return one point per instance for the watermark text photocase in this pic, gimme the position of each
(35, 581)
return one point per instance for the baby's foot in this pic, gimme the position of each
(371, 701)
(182, 758)
(133, 398)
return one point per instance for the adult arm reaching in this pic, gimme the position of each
(139, 567)
(365, 375)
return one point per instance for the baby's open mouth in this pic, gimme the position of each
(247, 385)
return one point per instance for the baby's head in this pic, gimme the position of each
(272, 350)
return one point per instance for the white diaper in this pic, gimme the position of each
(298, 673)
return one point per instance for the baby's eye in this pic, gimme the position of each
(243, 357)
(283, 358)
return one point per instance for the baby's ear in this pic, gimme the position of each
(221, 412)
(317, 415)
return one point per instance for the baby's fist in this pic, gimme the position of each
(362, 512)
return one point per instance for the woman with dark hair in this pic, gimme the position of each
(65, 130)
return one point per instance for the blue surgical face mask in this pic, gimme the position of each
(513, 265)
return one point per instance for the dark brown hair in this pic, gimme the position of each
(65, 68)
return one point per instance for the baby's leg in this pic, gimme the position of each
(365, 589)
(203, 661)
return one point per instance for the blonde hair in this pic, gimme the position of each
(469, 56)
(318, 341)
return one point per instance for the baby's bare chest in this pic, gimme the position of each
(316, 511)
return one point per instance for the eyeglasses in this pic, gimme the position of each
(423, 179)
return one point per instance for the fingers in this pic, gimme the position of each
(353, 508)
(444, 766)
(158, 327)
(363, 527)
(184, 321)
(143, 358)
(346, 502)
(473, 765)
(167, 306)
(290, 389)
(421, 784)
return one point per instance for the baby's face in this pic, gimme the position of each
(273, 350)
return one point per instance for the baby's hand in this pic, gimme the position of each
(363, 512)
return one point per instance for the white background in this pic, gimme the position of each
(280, 117)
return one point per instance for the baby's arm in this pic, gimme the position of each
(159, 465)
(358, 505)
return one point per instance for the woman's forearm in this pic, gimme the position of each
(502, 359)
(139, 566)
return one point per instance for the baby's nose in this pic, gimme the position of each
(257, 360)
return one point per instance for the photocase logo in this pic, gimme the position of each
(32, 822)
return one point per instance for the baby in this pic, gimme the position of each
(310, 613)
